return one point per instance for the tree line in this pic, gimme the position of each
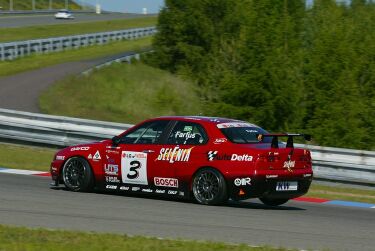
(278, 63)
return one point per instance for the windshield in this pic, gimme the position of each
(245, 135)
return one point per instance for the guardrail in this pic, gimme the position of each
(52, 11)
(13, 50)
(331, 164)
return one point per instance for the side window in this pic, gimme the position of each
(187, 133)
(148, 133)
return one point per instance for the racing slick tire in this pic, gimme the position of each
(273, 202)
(77, 175)
(209, 187)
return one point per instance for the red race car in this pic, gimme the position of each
(208, 159)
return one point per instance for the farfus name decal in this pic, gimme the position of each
(174, 154)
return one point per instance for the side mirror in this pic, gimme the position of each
(116, 140)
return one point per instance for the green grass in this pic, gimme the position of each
(19, 238)
(341, 193)
(24, 157)
(39, 4)
(39, 61)
(125, 93)
(56, 30)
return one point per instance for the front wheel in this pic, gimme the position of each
(209, 187)
(273, 202)
(77, 175)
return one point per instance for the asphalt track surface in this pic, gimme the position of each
(21, 91)
(7, 21)
(28, 201)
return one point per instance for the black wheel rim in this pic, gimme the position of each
(206, 186)
(74, 174)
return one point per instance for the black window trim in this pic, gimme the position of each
(160, 139)
(165, 142)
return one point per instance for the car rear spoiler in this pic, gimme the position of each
(289, 143)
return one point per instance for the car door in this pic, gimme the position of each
(185, 150)
(135, 157)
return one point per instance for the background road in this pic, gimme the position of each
(21, 91)
(7, 21)
(27, 201)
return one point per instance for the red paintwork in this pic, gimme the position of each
(263, 172)
(313, 200)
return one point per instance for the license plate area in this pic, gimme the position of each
(287, 186)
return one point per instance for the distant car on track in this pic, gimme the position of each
(64, 14)
(205, 158)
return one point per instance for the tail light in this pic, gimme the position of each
(306, 157)
(270, 157)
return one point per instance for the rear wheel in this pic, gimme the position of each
(273, 202)
(77, 175)
(209, 187)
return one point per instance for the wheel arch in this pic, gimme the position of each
(200, 168)
(76, 156)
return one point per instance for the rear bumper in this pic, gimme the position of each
(266, 187)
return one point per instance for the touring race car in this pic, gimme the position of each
(208, 159)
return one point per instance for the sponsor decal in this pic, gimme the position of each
(234, 124)
(147, 190)
(181, 193)
(59, 157)
(242, 181)
(188, 128)
(82, 148)
(272, 176)
(243, 157)
(53, 168)
(220, 141)
(307, 175)
(159, 191)
(213, 155)
(135, 189)
(111, 169)
(124, 188)
(215, 120)
(90, 156)
(97, 156)
(112, 147)
(289, 165)
(111, 187)
(174, 154)
(165, 182)
(172, 192)
(112, 179)
(112, 151)
(134, 167)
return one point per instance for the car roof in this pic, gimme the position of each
(205, 119)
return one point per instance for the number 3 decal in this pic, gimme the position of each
(134, 167)
(133, 173)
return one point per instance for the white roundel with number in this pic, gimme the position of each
(134, 167)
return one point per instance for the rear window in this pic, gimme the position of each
(245, 135)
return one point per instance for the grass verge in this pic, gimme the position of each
(341, 193)
(125, 93)
(25, 157)
(72, 28)
(39, 61)
(20, 238)
(39, 5)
